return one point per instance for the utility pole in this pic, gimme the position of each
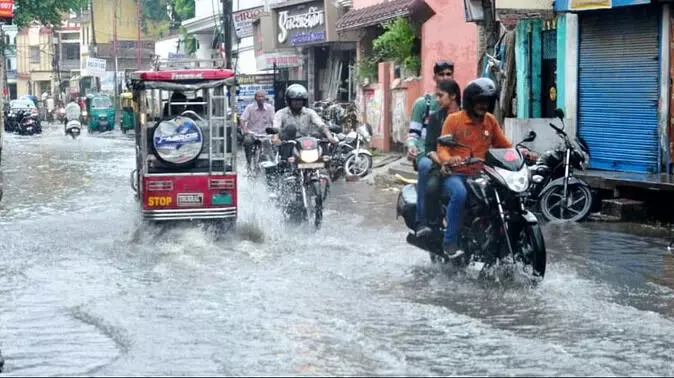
(227, 34)
(97, 81)
(138, 42)
(116, 52)
(227, 31)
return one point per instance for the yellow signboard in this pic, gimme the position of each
(589, 4)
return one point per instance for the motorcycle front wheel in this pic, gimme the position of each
(318, 205)
(578, 203)
(532, 248)
(358, 165)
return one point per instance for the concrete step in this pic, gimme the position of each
(624, 209)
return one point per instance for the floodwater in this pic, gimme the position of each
(80, 297)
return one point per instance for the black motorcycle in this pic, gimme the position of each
(496, 226)
(27, 123)
(559, 195)
(301, 185)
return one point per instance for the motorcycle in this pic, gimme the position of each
(559, 195)
(73, 128)
(496, 225)
(302, 187)
(27, 123)
(350, 156)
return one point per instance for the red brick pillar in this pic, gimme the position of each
(385, 82)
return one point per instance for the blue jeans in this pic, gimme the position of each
(455, 186)
(424, 166)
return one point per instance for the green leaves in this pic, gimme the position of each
(395, 44)
(46, 12)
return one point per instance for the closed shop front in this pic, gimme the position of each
(618, 87)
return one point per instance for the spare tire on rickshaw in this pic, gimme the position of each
(176, 142)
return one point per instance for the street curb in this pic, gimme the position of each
(407, 173)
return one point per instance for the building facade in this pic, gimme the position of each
(207, 23)
(10, 32)
(35, 56)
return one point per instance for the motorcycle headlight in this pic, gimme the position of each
(518, 181)
(309, 156)
(84, 113)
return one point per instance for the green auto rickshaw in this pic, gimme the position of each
(128, 112)
(101, 111)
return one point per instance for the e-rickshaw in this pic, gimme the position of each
(101, 111)
(185, 158)
(128, 118)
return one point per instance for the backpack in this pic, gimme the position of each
(427, 114)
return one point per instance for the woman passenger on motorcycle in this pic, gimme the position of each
(448, 94)
(475, 127)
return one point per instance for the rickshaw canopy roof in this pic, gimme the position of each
(183, 79)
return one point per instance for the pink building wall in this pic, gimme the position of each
(445, 36)
(448, 36)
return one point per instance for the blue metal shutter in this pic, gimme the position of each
(618, 88)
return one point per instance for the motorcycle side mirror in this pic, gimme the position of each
(530, 137)
(447, 141)
(270, 131)
(559, 113)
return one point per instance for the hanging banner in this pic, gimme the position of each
(243, 21)
(6, 9)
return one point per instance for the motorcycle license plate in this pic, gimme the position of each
(310, 165)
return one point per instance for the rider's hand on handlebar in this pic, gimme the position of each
(332, 139)
(453, 160)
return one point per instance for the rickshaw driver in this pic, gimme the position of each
(296, 113)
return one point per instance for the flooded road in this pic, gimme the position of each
(80, 298)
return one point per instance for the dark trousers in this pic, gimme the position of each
(432, 203)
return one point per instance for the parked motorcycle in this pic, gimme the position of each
(27, 123)
(302, 187)
(350, 157)
(559, 195)
(496, 226)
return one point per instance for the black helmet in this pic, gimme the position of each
(296, 92)
(477, 91)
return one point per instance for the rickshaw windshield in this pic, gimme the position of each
(101, 102)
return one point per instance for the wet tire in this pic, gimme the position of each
(535, 254)
(551, 202)
(318, 205)
(350, 168)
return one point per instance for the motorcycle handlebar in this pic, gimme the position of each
(557, 129)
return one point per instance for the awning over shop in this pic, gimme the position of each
(388, 10)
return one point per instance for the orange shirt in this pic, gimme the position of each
(478, 137)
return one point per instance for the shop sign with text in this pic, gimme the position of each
(301, 24)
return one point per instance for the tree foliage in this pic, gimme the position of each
(397, 44)
(46, 12)
(163, 17)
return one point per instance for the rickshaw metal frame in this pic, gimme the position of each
(197, 78)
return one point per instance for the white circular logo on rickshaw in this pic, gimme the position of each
(178, 140)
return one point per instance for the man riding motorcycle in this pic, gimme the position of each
(475, 127)
(297, 118)
(72, 112)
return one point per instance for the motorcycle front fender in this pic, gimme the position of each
(529, 217)
(560, 182)
(360, 151)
